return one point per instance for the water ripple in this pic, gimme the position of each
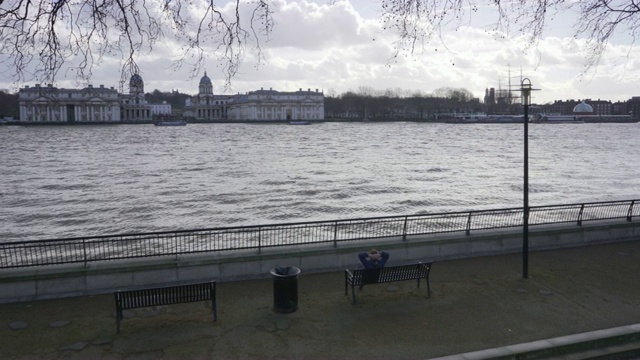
(82, 181)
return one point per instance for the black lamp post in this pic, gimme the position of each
(525, 90)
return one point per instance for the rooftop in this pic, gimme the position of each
(475, 304)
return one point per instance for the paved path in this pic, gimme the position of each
(476, 304)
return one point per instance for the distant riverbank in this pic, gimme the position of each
(331, 120)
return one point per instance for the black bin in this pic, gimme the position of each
(285, 288)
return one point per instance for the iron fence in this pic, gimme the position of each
(173, 243)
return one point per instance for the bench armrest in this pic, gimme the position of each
(349, 274)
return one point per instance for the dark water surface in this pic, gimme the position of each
(64, 181)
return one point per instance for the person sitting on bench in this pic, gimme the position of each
(373, 259)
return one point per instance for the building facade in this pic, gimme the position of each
(50, 104)
(271, 105)
(133, 106)
(206, 106)
(163, 109)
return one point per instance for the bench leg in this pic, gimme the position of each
(214, 303)
(214, 307)
(118, 318)
(346, 285)
(353, 294)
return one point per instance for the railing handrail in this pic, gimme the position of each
(241, 227)
(133, 245)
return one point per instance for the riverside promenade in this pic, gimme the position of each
(475, 304)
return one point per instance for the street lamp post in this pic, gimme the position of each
(525, 91)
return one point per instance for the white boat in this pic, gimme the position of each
(558, 119)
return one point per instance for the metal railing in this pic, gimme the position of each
(157, 244)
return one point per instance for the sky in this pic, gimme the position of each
(339, 46)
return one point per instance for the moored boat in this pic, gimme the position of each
(171, 123)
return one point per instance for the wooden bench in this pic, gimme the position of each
(132, 299)
(363, 277)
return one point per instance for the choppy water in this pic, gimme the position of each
(97, 180)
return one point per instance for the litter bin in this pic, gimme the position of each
(285, 288)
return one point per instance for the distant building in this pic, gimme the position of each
(583, 109)
(206, 106)
(163, 109)
(272, 105)
(633, 107)
(51, 104)
(134, 107)
(584, 112)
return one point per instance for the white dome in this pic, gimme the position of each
(583, 107)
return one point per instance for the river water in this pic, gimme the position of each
(66, 181)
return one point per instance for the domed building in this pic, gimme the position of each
(136, 85)
(583, 109)
(206, 87)
(134, 107)
(206, 106)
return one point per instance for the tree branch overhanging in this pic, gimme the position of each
(418, 22)
(39, 38)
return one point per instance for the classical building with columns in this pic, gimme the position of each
(134, 107)
(50, 104)
(206, 106)
(272, 105)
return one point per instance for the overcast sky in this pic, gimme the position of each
(338, 46)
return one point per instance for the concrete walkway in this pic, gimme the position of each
(476, 304)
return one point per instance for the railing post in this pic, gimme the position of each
(404, 230)
(630, 212)
(468, 231)
(259, 239)
(84, 252)
(175, 246)
(580, 215)
(335, 234)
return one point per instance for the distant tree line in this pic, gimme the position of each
(9, 107)
(175, 98)
(398, 104)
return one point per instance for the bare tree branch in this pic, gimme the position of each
(419, 21)
(38, 38)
